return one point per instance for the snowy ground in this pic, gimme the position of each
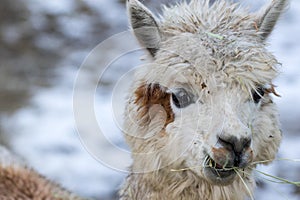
(47, 135)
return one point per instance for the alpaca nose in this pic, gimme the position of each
(238, 148)
(234, 144)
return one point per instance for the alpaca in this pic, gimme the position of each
(200, 115)
(18, 182)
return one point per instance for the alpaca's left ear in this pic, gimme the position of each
(268, 17)
(144, 25)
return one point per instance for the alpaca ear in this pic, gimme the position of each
(144, 25)
(268, 17)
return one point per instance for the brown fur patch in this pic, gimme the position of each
(22, 183)
(148, 95)
(272, 90)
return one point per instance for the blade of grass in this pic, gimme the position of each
(272, 181)
(246, 186)
(296, 183)
(278, 159)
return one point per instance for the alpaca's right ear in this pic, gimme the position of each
(144, 25)
(269, 16)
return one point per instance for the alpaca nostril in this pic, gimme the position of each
(225, 143)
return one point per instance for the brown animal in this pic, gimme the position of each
(18, 182)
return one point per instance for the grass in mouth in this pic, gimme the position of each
(274, 179)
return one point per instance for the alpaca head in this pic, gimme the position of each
(204, 100)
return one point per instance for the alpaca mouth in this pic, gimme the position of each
(218, 174)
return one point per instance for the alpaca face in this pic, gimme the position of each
(204, 103)
(208, 120)
(220, 128)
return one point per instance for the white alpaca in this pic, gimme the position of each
(201, 113)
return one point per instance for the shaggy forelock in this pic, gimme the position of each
(199, 15)
(219, 37)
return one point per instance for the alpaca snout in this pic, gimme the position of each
(232, 152)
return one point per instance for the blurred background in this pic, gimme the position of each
(42, 46)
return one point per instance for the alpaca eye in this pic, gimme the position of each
(181, 98)
(258, 94)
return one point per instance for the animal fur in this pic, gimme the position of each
(218, 54)
(18, 182)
